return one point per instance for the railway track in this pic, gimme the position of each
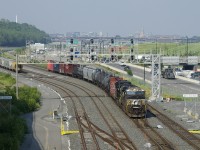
(176, 128)
(119, 139)
(158, 141)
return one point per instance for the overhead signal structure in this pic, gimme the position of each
(71, 48)
(132, 57)
(113, 56)
(92, 54)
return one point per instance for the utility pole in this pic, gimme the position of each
(17, 94)
(187, 46)
(60, 51)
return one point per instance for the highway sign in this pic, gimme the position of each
(190, 95)
(170, 60)
(192, 60)
(6, 97)
(77, 54)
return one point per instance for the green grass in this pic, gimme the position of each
(169, 49)
(6, 80)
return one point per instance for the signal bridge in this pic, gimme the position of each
(107, 58)
(154, 60)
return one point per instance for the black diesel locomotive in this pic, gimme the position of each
(130, 98)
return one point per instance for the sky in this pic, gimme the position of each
(115, 17)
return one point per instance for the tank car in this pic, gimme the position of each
(89, 73)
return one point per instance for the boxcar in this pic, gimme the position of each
(56, 67)
(50, 65)
(69, 68)
(61, 68)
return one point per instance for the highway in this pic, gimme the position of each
(171, 86)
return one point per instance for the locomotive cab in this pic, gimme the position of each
(134, 102)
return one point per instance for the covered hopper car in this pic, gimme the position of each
(10, 64)
(130, 98)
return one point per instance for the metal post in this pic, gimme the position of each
(187, 47)
(144, 73)
(60, 51)
(17, 94)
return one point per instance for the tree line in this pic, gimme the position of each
(12, 127)
(13, 34)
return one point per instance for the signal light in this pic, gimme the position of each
(92, 57)
(112, 41)
(112, 50)
(91, 41)
(112, 57)
(131, 41)
(71, 57)
(71, 41)
(132, 57)
(71, 50)
(131, 50)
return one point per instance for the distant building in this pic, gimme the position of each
(37, 46)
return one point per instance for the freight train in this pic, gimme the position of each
(130, 98)
(10, 64)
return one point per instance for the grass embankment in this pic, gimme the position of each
(12, 127)
(168, 49)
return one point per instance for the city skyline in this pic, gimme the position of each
(157, 17)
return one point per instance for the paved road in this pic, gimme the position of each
(48, 129)
(177, 86)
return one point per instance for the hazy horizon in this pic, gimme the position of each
(157, 17)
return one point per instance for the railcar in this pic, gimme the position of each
(50, 65)
(89, 73)
(130, 98)
(69, 69)
(10, 64)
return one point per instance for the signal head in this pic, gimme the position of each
(132, 57)
(91, 41)
(131, 50)
(71, 57)
(112, 57)
(71, 41)
(131, 41)
(92, 57)
(112, 41)
(71, 50)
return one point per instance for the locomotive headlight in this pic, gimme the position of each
(135, 102)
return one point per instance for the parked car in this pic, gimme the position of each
(195, 75)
